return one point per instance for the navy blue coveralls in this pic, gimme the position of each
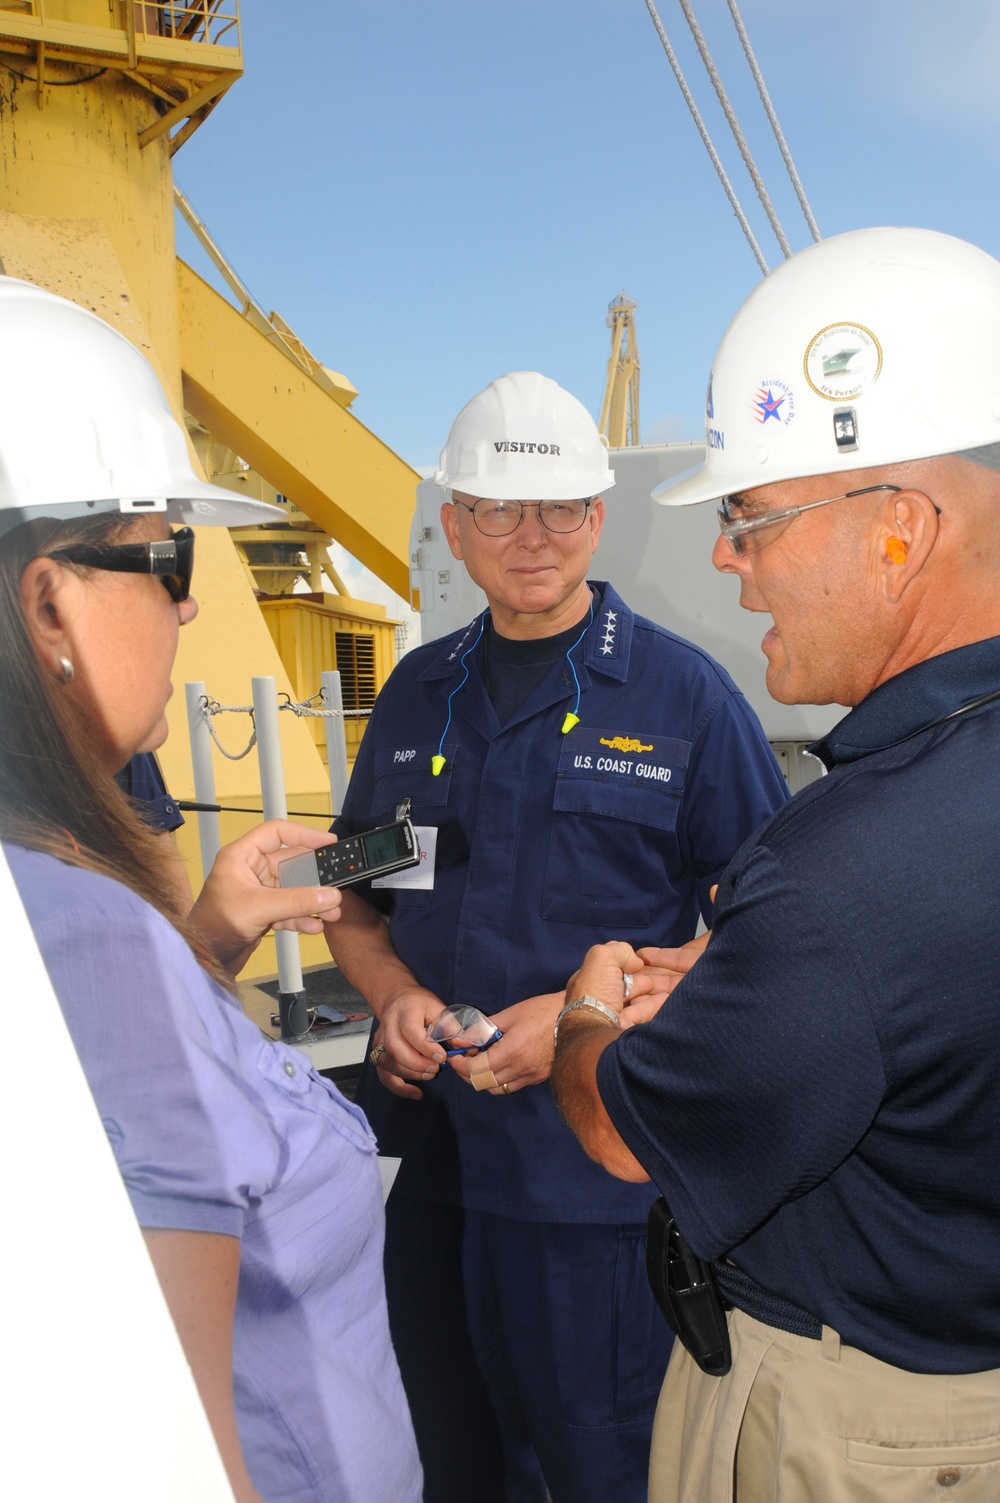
(518, 1302)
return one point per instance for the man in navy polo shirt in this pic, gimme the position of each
(819, 1099)
(575, 772)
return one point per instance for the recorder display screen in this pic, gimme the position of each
(383, 846)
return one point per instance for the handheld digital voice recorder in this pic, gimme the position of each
(389, 848)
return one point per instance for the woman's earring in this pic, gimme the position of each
(67, 670)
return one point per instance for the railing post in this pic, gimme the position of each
(204, 774)
(291, 994)
(336, 739)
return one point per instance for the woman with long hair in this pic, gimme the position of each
(254, 1181)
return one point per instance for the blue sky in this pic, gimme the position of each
(432, 194)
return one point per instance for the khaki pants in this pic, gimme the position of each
(800, 1421)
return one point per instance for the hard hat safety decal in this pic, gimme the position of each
(842, 361)
(773, 401)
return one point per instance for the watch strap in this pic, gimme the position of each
(593, 1004)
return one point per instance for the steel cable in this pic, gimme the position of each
(734, 126)
(706, 138)
(765, 100)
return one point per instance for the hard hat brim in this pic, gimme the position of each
(202, 505)
(524, 488)
(687, 489)
(206, 505)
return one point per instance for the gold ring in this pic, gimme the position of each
(505, 1088)
(376, 1053)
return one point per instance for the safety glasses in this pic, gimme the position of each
(461, 1029)
(749, 534)
(171, 561)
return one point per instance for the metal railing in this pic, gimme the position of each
(215, 22)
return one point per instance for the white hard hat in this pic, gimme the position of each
(525, 438)
(85, 426)
(868, 349)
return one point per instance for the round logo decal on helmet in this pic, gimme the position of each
(842, 361)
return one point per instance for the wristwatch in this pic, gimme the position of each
(592, 1003)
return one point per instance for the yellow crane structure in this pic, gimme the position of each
(620, 407)
(96, 97)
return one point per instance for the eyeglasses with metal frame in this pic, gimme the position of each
(171, 561)
(495, 519)
(738, 531)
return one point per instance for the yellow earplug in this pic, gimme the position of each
(437, 762)
(570, 721)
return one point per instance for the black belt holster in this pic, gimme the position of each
(687, 1293)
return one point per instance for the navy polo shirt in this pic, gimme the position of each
(545, 844)
(820, 1099)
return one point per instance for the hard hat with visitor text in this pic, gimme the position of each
(868, 349)
(525, 439)
(85, 426)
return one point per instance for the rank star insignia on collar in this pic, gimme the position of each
(456, 650)
(609, 629)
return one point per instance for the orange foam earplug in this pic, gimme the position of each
(896, 550)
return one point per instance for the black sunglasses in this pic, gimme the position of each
(171, 561)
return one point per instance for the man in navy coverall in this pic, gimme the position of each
(575, 773)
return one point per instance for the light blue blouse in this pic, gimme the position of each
(217, 1128)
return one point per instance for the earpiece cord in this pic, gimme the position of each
(572, 717)
(438, 761)
(932, 725)
(973, 704)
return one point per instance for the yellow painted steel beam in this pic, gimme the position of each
(258, 401)
(207, 95)
(272, 325)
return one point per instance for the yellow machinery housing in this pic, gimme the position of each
(95, 98)
(620, 407)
